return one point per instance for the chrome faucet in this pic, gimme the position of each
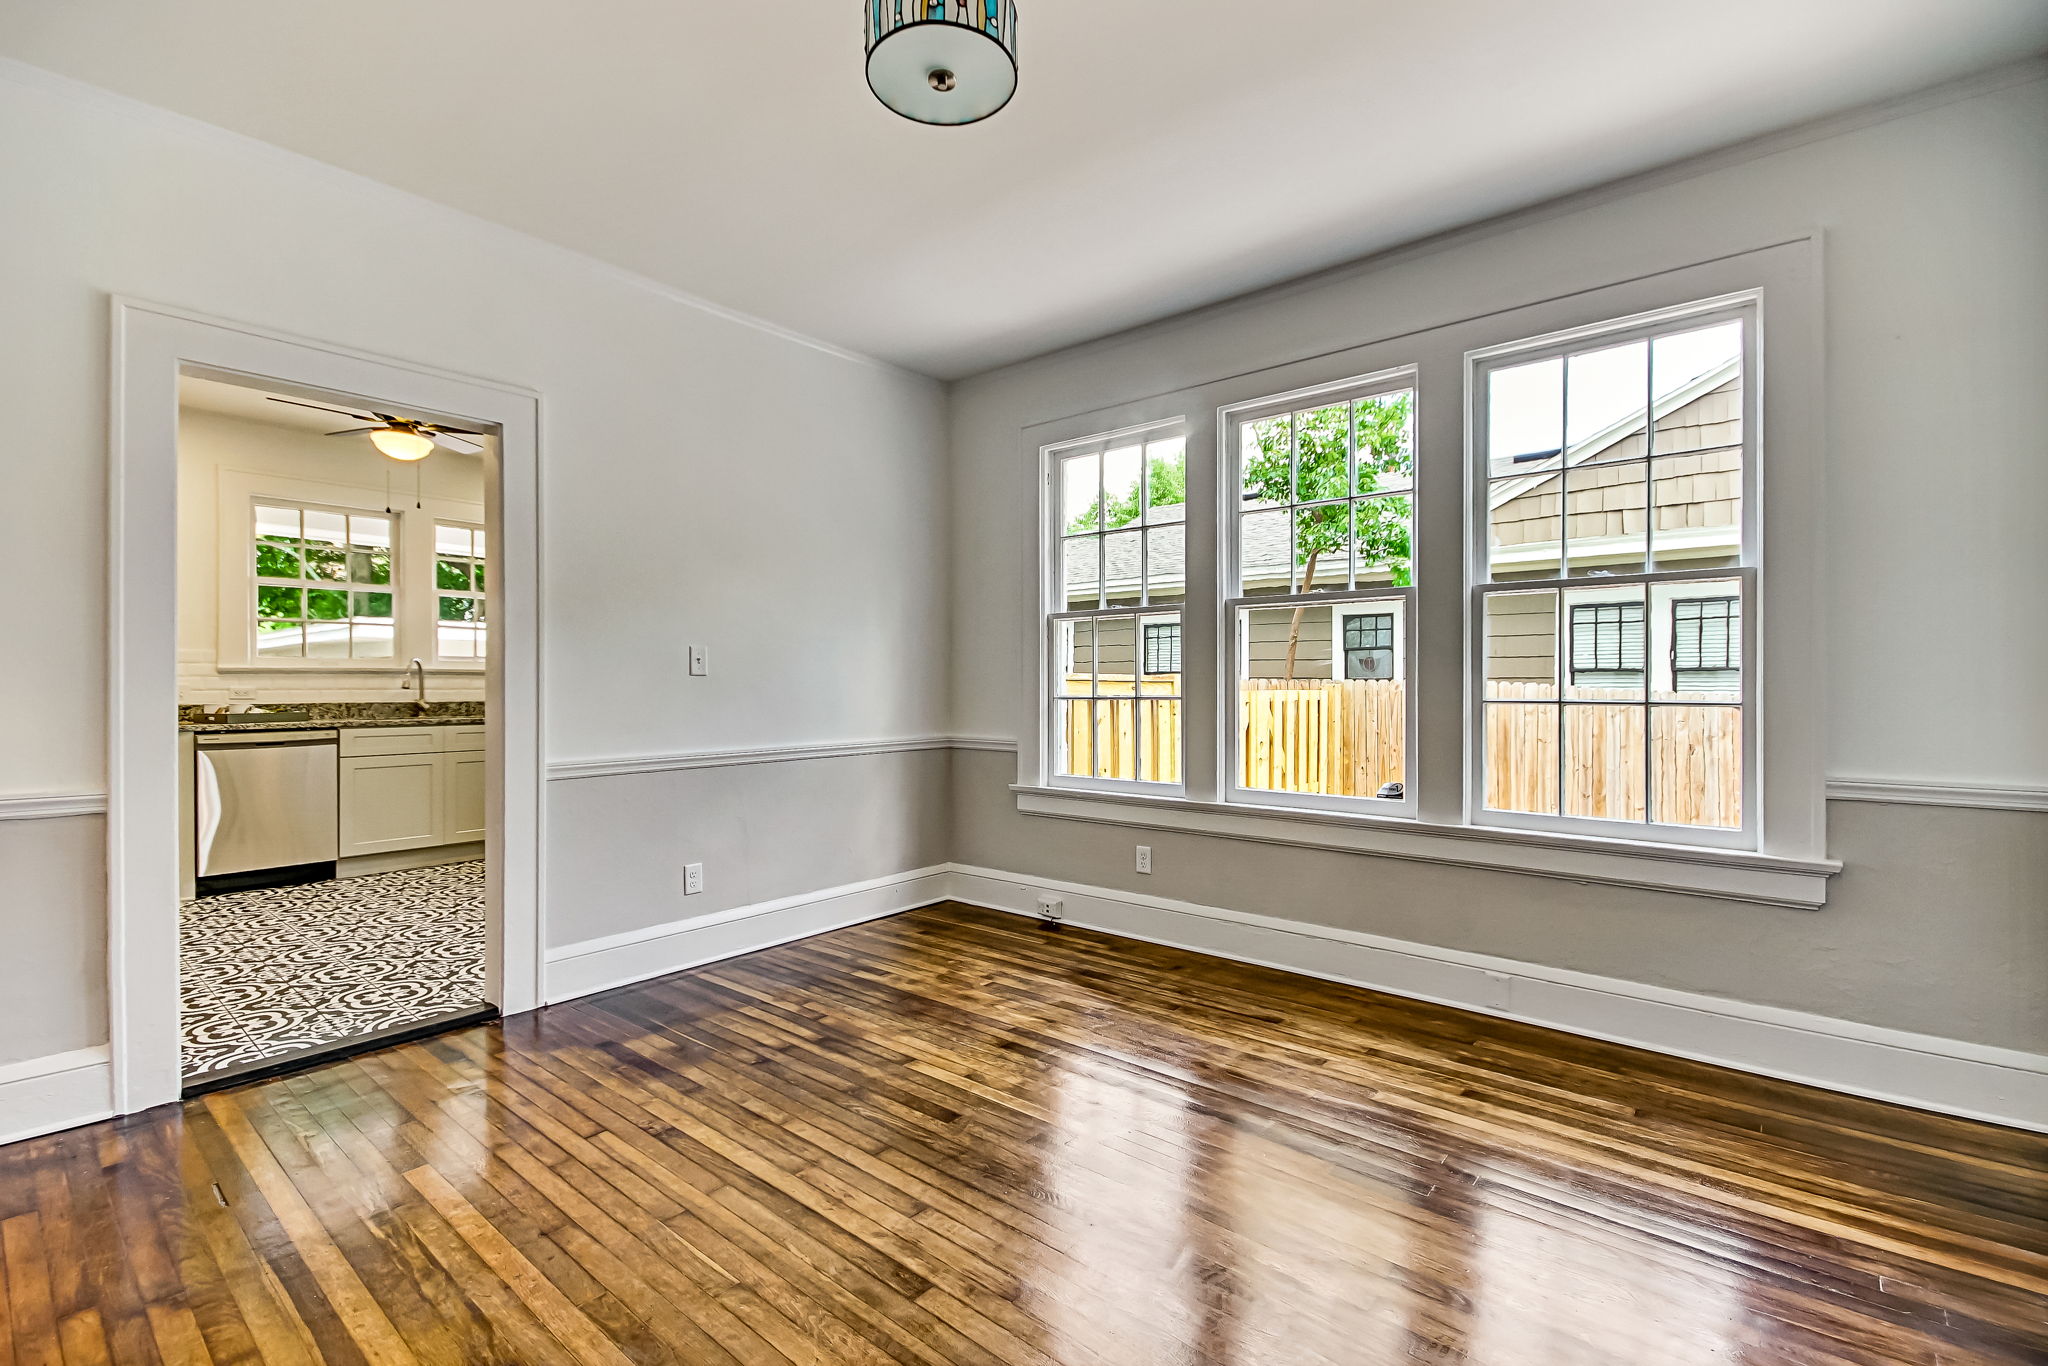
(416, 677)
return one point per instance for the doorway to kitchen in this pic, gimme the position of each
(325, 563)
(333, 631)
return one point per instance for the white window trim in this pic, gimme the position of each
(240, 491)
(1052, 609)
(1745, 307)
(1789, 868)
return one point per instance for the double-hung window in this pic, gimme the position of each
(1119, 506)
(1615, 510)
(1319, 571)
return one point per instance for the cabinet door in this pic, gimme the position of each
(391, 801)
(465, 818)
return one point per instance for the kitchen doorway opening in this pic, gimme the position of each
(324, 567)
(333, 631)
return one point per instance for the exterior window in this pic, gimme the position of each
(1706, 643)
(1119, 577)
(1162, 648)
(1607, 644)
(323, 584)
(459, 631)
(1320, 574)
(1616, 533)
(1368, 645)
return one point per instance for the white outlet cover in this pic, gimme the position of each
(693, 878)
(1144, 858)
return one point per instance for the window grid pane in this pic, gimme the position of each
(1323, 497)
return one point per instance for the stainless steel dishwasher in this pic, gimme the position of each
(266, 808)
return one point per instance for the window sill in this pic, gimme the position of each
(1721, 874)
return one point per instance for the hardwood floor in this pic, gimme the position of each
(956, 1138)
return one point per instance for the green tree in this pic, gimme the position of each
(1168, 478)
(1380, 526)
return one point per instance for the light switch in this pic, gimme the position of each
(698, 668)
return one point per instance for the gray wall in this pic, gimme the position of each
(53, 936)
(617, 845)
(1940, 922)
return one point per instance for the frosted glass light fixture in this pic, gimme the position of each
(942, 61)
(401, 444)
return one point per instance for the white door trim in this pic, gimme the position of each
(150, 343)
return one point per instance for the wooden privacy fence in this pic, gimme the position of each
(1346, 739)
(1133, 736)
(1694, 758)
(1340, 739)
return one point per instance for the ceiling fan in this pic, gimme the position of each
(401, 438)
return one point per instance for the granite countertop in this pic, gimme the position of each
(341, 716)
(348, 724)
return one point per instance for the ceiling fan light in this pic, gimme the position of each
(400, 444)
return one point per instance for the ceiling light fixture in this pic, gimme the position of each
(401, 444)
(942, 61)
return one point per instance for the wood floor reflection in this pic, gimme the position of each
(956, 1138)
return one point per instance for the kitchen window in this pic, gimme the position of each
(324, 584)
(353, 587)
(459, 630)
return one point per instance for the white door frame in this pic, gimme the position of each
(151, 344)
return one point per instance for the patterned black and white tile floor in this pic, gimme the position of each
(274, 972)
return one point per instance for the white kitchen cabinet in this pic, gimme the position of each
(391, 802)
(464, 789)
(411, 787)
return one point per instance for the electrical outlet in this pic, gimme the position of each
(693, 878)
(1051, 907)
(1144, 858)
(698, 668)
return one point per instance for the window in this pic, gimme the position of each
(1119, 543)
(1319, 576)
(323, 584)
(1162, 647)
(459, 632)
(1607, 644)
(1615, 504)
(1368, 645)
(1706, 643)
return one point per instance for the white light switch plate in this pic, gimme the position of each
(698, 668)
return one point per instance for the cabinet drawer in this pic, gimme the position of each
(462, 739)
(397, 740)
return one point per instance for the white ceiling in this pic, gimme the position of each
(1160, 154)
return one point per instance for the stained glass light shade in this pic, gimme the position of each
(942, 61)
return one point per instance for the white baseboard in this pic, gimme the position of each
(61, 1091)
(1999, 1085)
(617, 960)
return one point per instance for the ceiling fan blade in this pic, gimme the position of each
(358, 431)
(455, 443)
(444, 427)
(297, 403)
